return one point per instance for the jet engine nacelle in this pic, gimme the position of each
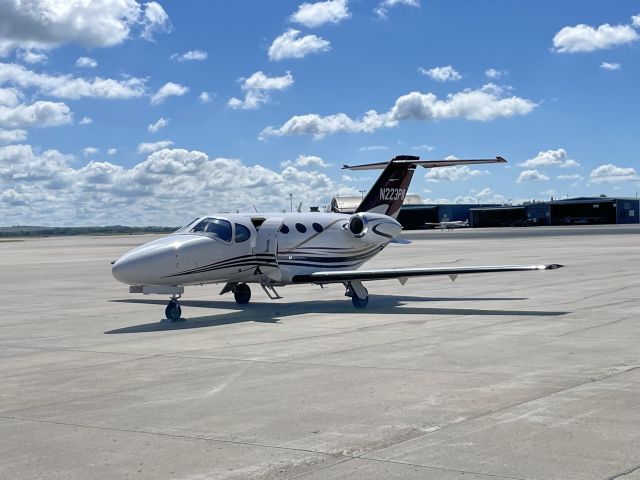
(373, 228)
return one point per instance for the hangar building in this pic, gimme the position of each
(571, 211)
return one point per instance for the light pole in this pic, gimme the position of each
(362, 193)
(291, 200)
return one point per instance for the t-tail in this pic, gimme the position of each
(387, 194)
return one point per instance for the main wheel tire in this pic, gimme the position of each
(359, 302)
(242, 293)
(173, 311)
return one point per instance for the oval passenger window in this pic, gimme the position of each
(284, 228)
(242, 233)
(317, 227)
(301, 228)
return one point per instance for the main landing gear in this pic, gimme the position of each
(241, 292)
(173, 312)
(359, 295)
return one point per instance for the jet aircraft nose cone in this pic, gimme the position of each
(124, 270)
(146, 265)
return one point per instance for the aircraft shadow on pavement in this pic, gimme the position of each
(271, 312)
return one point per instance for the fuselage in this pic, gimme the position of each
(269, 248)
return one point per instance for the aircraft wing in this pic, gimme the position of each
(405, 273)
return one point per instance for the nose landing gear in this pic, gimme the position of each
(173, 312)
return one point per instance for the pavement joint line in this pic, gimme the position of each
(613, 322)
(378, 326)
(115, 392)
(499, 410)
(372, 367)
(397, 462)
(20, 324)
(625, 473)
(64, 349)
(171, 435)
(7, 414)
(345, 458)
(93, 365)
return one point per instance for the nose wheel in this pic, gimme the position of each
(173, 312)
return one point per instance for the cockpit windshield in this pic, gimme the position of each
(186, 226)
(214, 227)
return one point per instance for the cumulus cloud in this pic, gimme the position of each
(205, 97)
(45, 24)
(453, 174)
(90, 151)
(67, 86)
(150, 147)
(550, 158)
(584, 38)
(425, 147)
(154, 20)
(18, 163)
(30, 56)
(166, 188)
(306, 161)
(492, 73)
(531, 175)
(484, 104)
(610, 173)
(372, 148)
(572, 176)
(257, 88)
(292, 44)
(319, 13)
(85, 121)
(169, 89)
(112, 151)
(14, 114)
(383, 7)
(155, 127)
(441, 74)
(86, 62)
(12, 136)
(191, 55)
(610, 66)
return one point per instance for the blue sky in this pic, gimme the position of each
(154, 112)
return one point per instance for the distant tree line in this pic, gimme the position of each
(33, 231)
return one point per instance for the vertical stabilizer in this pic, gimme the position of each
(387, 194)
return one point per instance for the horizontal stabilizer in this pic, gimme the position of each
(406, 159)
(367, 275)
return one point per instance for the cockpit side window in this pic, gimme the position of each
(214, 227)
(242, 233)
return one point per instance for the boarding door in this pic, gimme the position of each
(266, 249)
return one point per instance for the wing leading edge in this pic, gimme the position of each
(404, 273)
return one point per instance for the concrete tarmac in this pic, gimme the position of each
(532, 375)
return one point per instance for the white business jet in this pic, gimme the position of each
(274, 250)
(448, 225)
